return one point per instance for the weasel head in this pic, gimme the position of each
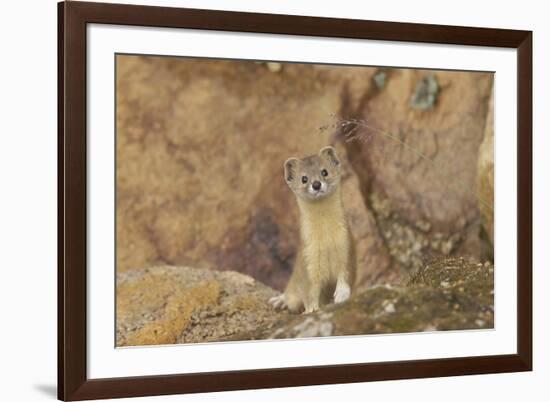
(314, 177)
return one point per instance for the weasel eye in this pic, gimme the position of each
(304, 179)
(324, 172)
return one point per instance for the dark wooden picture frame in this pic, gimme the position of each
(73, 383)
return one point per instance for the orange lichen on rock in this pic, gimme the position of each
(176, 315)
(167, 305)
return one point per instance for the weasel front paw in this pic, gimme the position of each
(342, 292)
(278, 302)
(311, 309)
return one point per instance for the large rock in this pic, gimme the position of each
(375, 264)
(414, 141)
(486, 174)
(450, 294)
(166, 305)
(200, 150)
(201, 144)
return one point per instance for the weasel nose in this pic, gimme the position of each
(316, 185)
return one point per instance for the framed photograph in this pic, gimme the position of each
(252, 200)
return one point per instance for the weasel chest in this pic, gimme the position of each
(326, 248)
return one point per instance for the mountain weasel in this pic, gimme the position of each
(325, 266)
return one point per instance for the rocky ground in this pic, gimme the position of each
(167, 305)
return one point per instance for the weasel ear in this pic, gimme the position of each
(329, 153)
(291, 167)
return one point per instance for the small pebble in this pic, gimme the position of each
(380, 79)
(274, 67)
(390, 308)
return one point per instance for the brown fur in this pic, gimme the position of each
(326, 263)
